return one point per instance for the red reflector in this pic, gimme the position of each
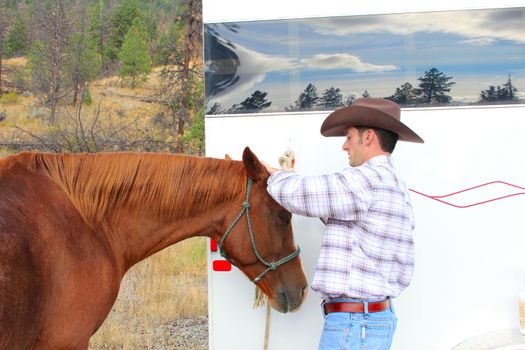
(221, 265)
(213, 245)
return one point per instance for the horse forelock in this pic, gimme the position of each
(159, 185)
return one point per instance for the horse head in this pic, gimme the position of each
(260, 242)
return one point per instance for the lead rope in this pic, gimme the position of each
(287, 162)
(267, 326)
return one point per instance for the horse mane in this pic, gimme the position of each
(164, 185)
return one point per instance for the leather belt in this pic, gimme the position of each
(356, 306)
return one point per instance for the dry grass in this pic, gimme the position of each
(114, 99)
(168, 286)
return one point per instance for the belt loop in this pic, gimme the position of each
(323, 309)
(390, 304)
(365, 304)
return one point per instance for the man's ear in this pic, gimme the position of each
(255, 170)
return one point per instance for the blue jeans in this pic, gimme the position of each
(358, 331)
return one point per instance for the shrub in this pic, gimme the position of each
(9, 98)
(86, 97)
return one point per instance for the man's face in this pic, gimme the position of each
(354, 147)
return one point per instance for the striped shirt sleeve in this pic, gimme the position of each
(344, 195)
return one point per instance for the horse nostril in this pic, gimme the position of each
(304, 291)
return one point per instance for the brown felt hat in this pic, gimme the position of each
(369, 112)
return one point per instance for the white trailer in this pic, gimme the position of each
(468, 192)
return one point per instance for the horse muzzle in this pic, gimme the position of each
(286, 301)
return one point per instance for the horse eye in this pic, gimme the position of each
(285, 217)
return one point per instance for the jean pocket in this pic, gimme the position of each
(336, 332)
(337, 321)
(377, 334)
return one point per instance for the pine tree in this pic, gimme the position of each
(434, 86)
(215, 109)
(123, 17)
(511, 90)
(253, 104)
(134, 55)
(3, 29)
(404, 95)
(81, 58)
(17, 43)
(507, 92)
(307, 99)
(332, 98)
(99, 33)
(350, 100)
(489, 95)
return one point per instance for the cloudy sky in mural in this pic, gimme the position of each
(376, 53)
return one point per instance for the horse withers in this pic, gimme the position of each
(71, 225)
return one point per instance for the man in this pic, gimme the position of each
(367, 251)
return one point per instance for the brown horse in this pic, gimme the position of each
(71, 225)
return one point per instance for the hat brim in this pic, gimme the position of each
(338, 122)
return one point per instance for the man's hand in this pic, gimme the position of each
(270, 169)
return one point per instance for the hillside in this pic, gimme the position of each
(114, 106)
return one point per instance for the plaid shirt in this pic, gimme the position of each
(367, 249)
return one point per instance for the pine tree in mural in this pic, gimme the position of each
(307, 99)
(332, 98)
(434, 87)
(253, 104)
(404, 95)
(506, 92)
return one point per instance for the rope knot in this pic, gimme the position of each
(273, 266)
(245, 204)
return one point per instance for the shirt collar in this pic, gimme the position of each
(379, 160)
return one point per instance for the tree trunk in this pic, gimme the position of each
(2, 30)
(189, 54)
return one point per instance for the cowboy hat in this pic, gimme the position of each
(369, 112)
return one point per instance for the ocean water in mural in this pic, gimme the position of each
(416, 59)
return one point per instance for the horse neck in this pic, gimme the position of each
(146, 202)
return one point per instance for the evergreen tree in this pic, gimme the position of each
(81, 58)
(17, 43)
(404, 95)
(149, 19)
(307, 99)
(122, 19)
(215, 109)
(434, 86)
(489, 95)
(99, 32)
(332, 98)
(253, 104)
(507, 92)
(511, 90)
(135, 55)
(3, 30)
(350, 100)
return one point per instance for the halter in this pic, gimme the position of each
(246, 210)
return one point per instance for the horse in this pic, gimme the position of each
(71, 225)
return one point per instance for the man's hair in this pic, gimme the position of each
(387, 139)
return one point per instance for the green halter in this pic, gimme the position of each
(246, 210)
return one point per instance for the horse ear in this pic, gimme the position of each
(227, 157)
(254, 168)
